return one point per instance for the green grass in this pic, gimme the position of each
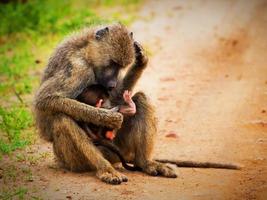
(38, 16)
(18, 194)
(14, 121)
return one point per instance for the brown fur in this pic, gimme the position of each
(76, 64)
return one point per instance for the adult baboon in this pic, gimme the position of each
(96, 56)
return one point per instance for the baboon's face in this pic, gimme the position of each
(115, 51)
(107, 76)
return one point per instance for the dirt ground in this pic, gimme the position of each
(207, 77)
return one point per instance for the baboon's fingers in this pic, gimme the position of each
(128, 111)
(166, 171)
(138, 47)
(139, 51)
(151, 170)
(141, 58)
(112, 177)
(124, 178)
(127, 96)
(155, 169)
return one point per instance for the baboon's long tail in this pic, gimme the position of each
(194, 164)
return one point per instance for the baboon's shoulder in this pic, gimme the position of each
(64, 54)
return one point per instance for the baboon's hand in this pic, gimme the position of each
(141, 58)
(115, 120)
(130, 108)
(111, 176)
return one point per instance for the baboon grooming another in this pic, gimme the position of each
(96, 56)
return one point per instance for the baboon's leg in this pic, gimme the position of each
(108, 154)
(74, 150)
(136, 138)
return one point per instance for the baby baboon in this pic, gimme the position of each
(96, 56)
(97, 95)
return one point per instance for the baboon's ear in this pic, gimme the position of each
(101, 33)
(131, 35)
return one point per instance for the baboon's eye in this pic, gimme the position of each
(114, 64)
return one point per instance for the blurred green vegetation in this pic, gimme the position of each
(18, 193)
(28, 33)
(14, 120)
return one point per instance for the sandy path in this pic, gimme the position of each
(207, 78)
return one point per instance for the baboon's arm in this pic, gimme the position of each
(57, 95)
(131, 77)
(83, 112)
(128, 83)
(135, 71)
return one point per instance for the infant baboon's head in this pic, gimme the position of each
(92, 94)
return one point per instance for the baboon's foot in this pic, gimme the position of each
(154, 168)
(111, 176)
